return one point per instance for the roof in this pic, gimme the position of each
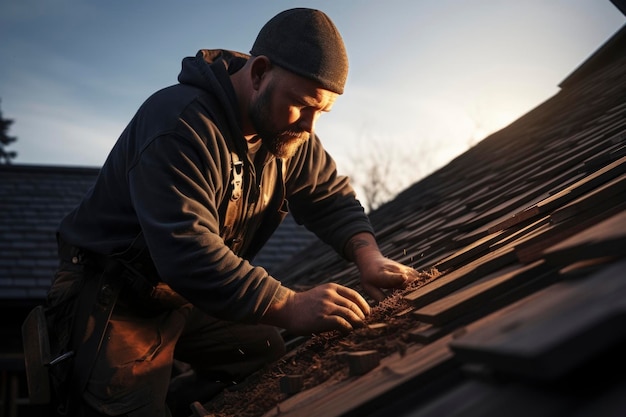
(290, 238)
(527, 230)
(33, 200)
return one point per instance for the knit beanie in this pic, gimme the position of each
(305, 42)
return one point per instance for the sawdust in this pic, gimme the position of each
(320, 359)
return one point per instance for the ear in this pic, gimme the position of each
(261, 65)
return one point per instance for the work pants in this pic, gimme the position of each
(133, 368)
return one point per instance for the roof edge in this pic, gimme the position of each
(49, 168)
(612, 49)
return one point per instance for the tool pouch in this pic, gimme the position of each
(46, 339)
(37, 356)
(48, 332)
(78, 307)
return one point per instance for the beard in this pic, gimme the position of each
(282, 143)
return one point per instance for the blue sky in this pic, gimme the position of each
(427, 78)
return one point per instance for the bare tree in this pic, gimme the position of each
(380, 168)
(373, 178)
(5, 140)
(379, 171)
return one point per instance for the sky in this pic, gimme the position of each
(428, 79)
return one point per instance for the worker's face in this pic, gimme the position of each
(286, 109)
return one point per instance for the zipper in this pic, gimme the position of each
(250, 218)
(251, 191)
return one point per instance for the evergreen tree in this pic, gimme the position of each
(5, 140)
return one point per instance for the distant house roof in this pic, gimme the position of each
(290, 238)
(33, 199)
(528, 229)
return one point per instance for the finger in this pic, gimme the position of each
(387, 279)
(351, 306)
(358, 311)
(337, 322)
(411, 274)
(397, 277)
(350, 316)
(355, 300)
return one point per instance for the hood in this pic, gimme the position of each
(206, 69)
(210, 70)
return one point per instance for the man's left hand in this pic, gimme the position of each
(378, 273)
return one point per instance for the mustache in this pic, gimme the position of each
(293, 134)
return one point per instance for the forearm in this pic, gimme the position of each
(361, 247)
(377, 271)
(278, 313)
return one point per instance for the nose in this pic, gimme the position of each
(307, 120)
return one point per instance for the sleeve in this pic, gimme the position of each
(175, 187)
(322, 200)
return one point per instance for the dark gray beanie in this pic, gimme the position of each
(305, 42)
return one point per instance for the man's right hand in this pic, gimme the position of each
(320, 309)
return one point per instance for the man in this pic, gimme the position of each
(154, 260)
